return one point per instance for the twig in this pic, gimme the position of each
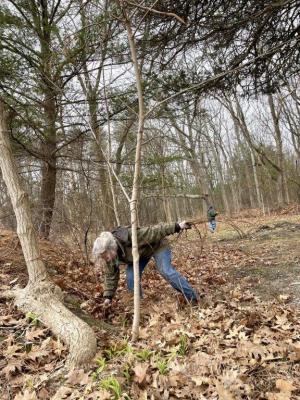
(164, 13)
(202, 239)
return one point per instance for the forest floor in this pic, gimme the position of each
(241, 342)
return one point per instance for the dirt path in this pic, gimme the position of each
(272, 263)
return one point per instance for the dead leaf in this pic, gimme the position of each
(62, 393)
(177, 379)
(155, 377)
(143, 395)
(43, 394)
(76, 395)
(27, 395)
(8, 320)
(140, 371)
(154, 319)
(49, 367)
(12, 367)
(223, 393)
(285, 386)
(200, 380)
(57, 346)
(278, 396)
(295, 347)
(281, 319)
(35, 333)
(77, 377)
(36, 353)
(12, 351)
(144, 333)
(99, 395)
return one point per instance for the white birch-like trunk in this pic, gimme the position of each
(135, 187)
(41, 296)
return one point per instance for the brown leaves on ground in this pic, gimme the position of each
(140, 371)
(232, 346)
(78, 377)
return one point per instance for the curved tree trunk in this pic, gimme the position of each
(41, 296)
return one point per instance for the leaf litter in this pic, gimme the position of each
(234, 345)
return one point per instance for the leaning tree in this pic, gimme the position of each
(41, 296)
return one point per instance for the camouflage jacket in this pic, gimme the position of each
(150, 239)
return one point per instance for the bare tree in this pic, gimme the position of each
(283, 194)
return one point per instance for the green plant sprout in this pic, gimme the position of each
(126, 372)
(32, 318)
(144, 354)
(111, 384)
(183, 345)
(102, 364)
(162, 366)
(117, 350)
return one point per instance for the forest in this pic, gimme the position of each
(142, 114)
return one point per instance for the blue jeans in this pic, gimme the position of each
(212, 225)
(167, 271)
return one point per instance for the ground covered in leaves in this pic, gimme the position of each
(241, 342)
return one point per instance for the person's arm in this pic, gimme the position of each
(111, 280)
(153, 234)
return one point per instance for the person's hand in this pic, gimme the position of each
(107, 303)
(185, 225)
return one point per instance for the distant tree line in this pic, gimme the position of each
(221, 91)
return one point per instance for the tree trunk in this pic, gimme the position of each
(177, 208)
(49, 89)
(233, 183)
(41, 296)
(237, 126)
(48, 148)
(259, 196)
(166, 204)
(47, 196)
(282, 186)
(108, 217)
(135, 186)
(219, 168)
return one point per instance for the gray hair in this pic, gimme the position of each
(105, 241)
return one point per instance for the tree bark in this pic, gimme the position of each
(49, 89)
(41, 296)
(219, 168)
(259, 196)
(108, 216)
(233, 183)
(237, 127)
(47, 195)
(137, 169)
(282, 184)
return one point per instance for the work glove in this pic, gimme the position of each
(185, 225)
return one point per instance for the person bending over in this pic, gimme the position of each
(115, 248)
